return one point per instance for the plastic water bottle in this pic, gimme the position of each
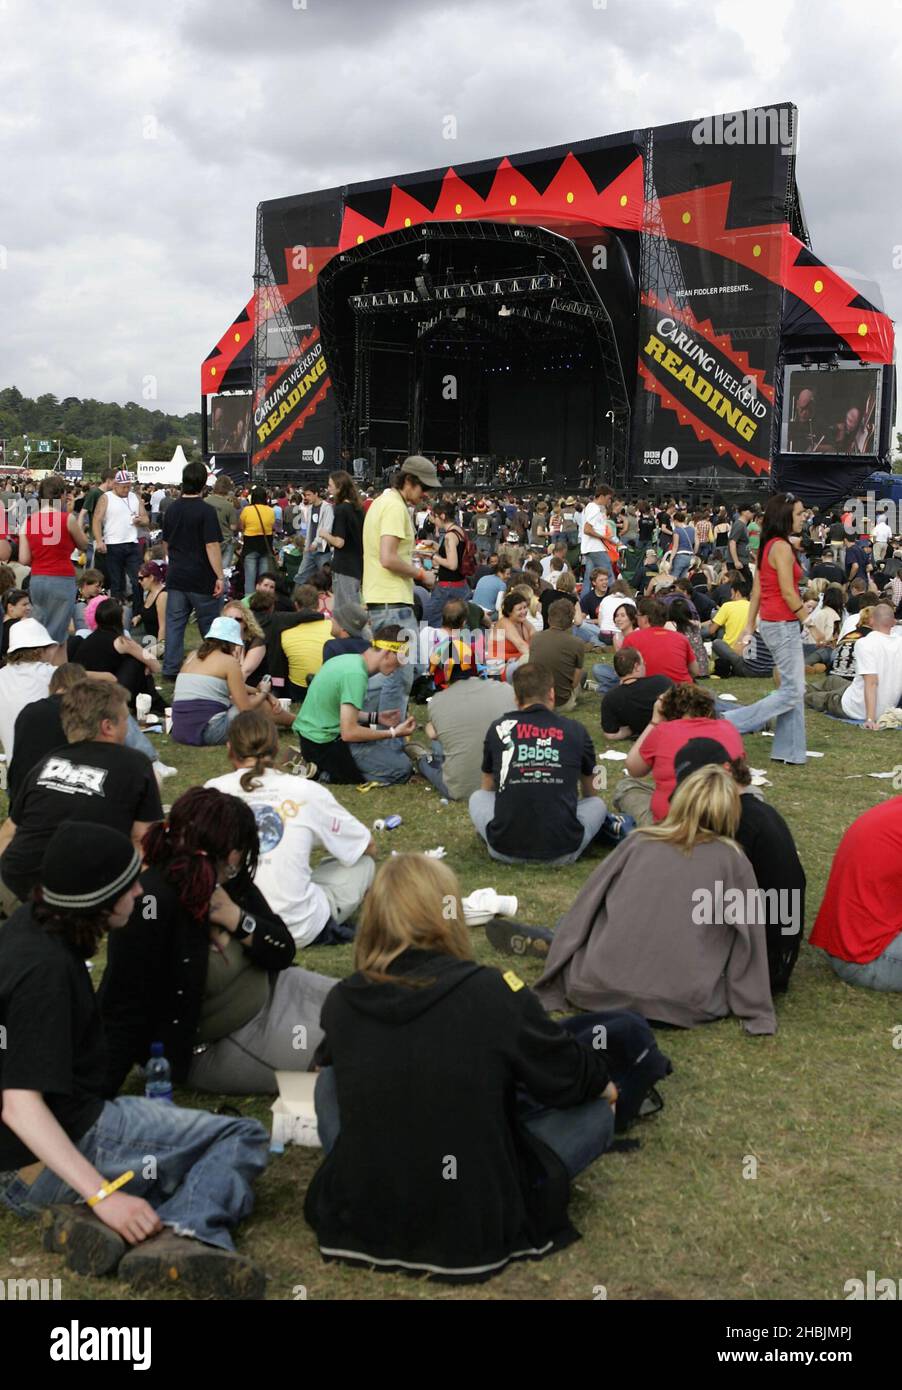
(158, 1076)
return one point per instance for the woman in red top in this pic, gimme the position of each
(46, 542)
(516, 631)
(683, 712)
(775, 596)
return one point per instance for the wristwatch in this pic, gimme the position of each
(247, 926)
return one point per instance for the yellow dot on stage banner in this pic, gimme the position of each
(756, 250)
(569, 197)
(458, 209)
(623, 200)
(818, 286)
(237, 337)
(406, 221)
(513, 200)
(212, 371)
(359, 238)
(687, 218)
(862, 329)
(311, 268)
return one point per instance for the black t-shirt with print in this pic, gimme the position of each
(99, 782)
(536, 758)
(53, 1036)
(629, 706)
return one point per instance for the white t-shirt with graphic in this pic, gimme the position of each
(878, 655)
(293, 816)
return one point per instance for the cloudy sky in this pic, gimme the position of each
(136, 140)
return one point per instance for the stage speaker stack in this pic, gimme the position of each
(534, 471)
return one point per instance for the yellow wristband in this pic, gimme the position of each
(109, 1188)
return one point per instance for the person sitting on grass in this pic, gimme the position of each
(859, 923)
(210, 690)
(625, 620)
(459, 715)
(253, 662)
(340, 742)
(561, 652)
(110, 652)
(210, 974)
(877, 684)
(513, 633)
(664, 652)
(350, 630)
(315, 903)
(626, 708)
(766, 840)
(93, 778)
(295, 643)
(39, 728)
(534, 764)
(422, 1042)
(681, 713)
(64, 1144)
(650, 932)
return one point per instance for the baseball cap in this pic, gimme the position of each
(352, 618)
(226, 630)
(28, 632)
(697, 753)
(422, 469)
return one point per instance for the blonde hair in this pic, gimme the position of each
(815, 587)
(250, 628)
(704, 807)
(414, 903)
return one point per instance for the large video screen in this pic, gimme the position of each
(230, 424)
(831, 411)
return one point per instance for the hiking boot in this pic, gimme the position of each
(515, 939)
(203, 1271)
(88, 1246)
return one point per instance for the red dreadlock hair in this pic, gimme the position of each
(203, 828)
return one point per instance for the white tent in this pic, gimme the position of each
(160, 471)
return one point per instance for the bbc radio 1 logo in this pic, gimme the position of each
(662, 458)
(315, 456)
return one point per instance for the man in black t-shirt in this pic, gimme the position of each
(534, 764)
(192, 537)
(94, 778)
(61, 1140)
(626, 709)
(826, 568)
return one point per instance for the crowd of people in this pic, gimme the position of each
(452, 1108)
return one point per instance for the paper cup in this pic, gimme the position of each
(167, 721)
(286, 704)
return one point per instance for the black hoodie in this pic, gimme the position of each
(432, 1171)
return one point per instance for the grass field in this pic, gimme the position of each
(818, 1105)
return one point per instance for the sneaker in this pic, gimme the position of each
(515, 939)
(203, 1271)
(616, 827)
(164, 770)
(88, 1246)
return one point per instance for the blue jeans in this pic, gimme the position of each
(205, 1165)
(216, 730)
(785, 705)
(383, 760)
(122, 563)
(442, 594)
(595, 560)
(606, 676)
(884, 973)
(179, 607)
(137, 739)
(590, 812)
(681, 562)
(311, 564)
(577, 1135)
(431, 769)
(53, 601)
(395, 691)
(256, 562)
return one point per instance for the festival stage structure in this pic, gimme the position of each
(643, 307)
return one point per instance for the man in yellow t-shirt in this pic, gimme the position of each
(728, 623)
(390, 571)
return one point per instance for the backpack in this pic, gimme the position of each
(468, 558)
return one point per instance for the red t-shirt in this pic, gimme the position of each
(862, 908)
(665, 741)
(51, 544)
(664, 652)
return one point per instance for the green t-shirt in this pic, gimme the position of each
(340, 681)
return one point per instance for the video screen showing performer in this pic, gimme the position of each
(230, 423)
(831, 411)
